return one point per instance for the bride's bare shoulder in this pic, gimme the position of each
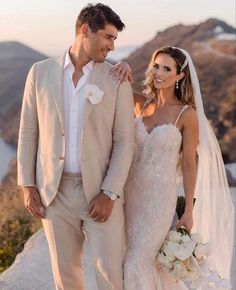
(139, 101)
(190, 119)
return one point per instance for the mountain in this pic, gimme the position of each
(121, 53)
(15, 62)
(212, 46)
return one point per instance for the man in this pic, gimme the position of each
(74, 152)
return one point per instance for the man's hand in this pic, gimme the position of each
(32, 201)
(100, 208)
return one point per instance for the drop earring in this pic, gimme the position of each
(177, 85)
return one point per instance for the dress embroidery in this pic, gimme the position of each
(150, 204)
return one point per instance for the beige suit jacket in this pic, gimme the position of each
(107, 140)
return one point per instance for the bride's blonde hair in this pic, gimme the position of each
(184, 92)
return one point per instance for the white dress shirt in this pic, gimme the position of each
(74, 104)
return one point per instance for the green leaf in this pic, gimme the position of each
(180, 206)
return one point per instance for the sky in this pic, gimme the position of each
(48, 25)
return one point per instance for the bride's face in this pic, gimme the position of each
(164, 72)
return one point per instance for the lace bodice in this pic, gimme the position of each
(150, 201)
(155, 148)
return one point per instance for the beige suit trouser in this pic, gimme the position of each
(68, 227)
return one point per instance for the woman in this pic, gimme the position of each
(171, 126)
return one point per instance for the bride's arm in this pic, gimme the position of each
(139, 102)
(190, 142)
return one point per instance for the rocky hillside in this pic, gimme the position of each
(213, 48)
(15, 62)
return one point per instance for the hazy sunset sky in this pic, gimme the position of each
(48, 25)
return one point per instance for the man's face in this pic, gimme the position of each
(98, 44)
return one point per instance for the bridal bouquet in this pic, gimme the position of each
(184, 257)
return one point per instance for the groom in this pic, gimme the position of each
(75, 148)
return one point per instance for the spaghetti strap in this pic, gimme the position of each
(149, 101)
(182, 110)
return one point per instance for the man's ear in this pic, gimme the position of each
(85, 30)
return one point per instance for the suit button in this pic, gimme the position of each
(61, 157)
(62, 134)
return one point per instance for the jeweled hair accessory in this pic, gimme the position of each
(184, 65)
(185, 62)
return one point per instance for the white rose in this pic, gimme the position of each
(179, 270)
(171, 247)
(196, 237)
(185, 238)
(202, 250)
(183, 251)
(169, 250)
(163, 260)
(174, 236)
(94, 94)
(193, 265)
(192, 276)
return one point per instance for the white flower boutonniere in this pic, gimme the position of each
(94, 94)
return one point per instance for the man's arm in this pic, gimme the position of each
(101, 206)
(28, 133)
(123, 141)
(27, 148)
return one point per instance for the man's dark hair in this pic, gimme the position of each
(97, 16)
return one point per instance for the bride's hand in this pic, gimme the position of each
(186, 221)
(122, 72)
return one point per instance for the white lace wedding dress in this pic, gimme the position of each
(150, 205)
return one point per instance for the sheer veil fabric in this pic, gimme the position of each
(213, 210)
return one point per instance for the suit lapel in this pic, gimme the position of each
(94, 79)
(56, 88)
(87, 111)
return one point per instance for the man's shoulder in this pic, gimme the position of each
(104, 66)
(103, 70)
(48, 61)
(47, 67)
(107, 64)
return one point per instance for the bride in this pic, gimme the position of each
(171, 129)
